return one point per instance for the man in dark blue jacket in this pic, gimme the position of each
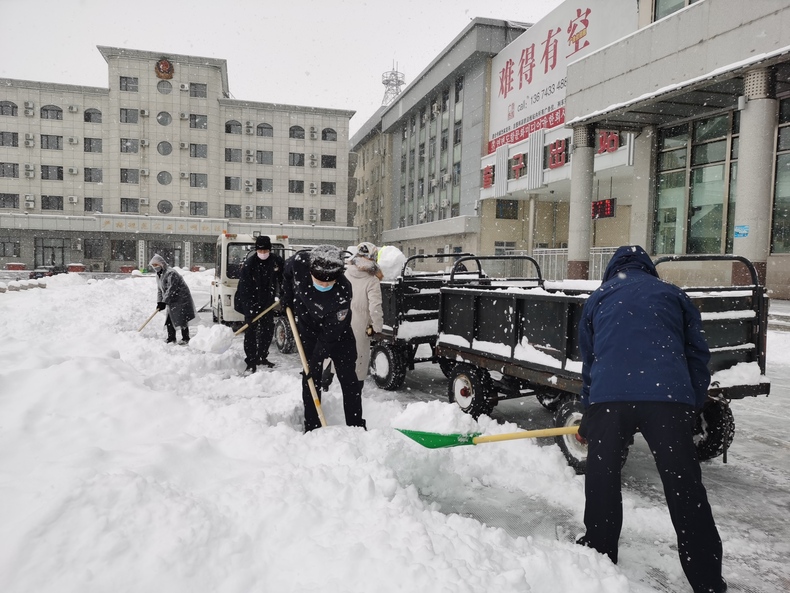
(320, 296)
(644, 368)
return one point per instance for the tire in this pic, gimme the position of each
(472, 390)
(213, 313)
(550, 401)
(220, 319)
(569, 413)
(387, 365)
(715, 430)
(447, 366)
(283, 336)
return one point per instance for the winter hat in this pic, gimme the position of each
(368, 250)
(263, 242)
(326, 263)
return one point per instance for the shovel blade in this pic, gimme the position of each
(434, 440)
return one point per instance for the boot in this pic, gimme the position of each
(184, 336)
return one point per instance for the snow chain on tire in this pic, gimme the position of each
(715, 430)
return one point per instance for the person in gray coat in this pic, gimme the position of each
(172, 293)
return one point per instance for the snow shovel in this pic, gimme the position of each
(221, 337)
(147, 320)
(435, 440)
(305, 365)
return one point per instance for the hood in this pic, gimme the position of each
(629, 257)
(159, 260)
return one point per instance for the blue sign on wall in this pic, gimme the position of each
(741, 230)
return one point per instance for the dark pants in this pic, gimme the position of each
(171, 331)
(258, 338)
(344, 357)
(668, 430)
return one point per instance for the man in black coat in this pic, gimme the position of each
(319, 294)
(644, 368)
(260, 276)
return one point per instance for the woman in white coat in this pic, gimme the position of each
(367, 316)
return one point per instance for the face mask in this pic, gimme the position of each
(320, 288)
(262, 255)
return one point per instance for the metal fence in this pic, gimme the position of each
(554, 262)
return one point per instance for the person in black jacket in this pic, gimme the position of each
(320, 297)
(644, 368)
(259, 278)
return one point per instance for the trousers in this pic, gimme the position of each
(258, 338)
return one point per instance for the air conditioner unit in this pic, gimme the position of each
(73, 108)
(144, 172)
(30, 203)
(422, 216)
(73, 170)
(183, 86)
(312, 211)
(249, 152)
(248, 124)
(249, 215)
(312, 129)
(249, 208)
(183, 115)
(183, 203)
(432, 207)
(249, 189)
(30, 198)
(144, 113)
(436, 109)
(30, 174)
(29, 112)
(29, 167)
(444, 203)
(29, 143)
(73, 199)
(313, 163)
(248, 182)
(143, 201)
(29, 105)
(97, 266)
(29, 137)
(144, 142)
(313, 185)
(312, 157)
(184, 175)
(73, 140)
(313, 217)
(250, 159)
(183, 145)
(434, 183)
(446, 178)
(250, 131)
(313, 192)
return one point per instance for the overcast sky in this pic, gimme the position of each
(323, 53)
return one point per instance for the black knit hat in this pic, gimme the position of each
(326, 263)
(263, 242)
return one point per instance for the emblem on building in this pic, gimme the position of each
(164, 69)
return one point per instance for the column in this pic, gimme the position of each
(755, 166)
(579, 223)
(641, 226)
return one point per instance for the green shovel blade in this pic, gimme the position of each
(433, 440)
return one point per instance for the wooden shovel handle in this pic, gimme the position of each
(305, 365)
(527, 434)
(147, 320)
(244, 327)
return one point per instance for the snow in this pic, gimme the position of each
(130, 465)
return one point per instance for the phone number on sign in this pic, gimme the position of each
(547, 92)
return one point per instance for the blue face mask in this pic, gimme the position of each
(320, 288)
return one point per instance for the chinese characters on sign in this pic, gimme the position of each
(488, 176)
(557, 153)
(608, 141)
(603, 208)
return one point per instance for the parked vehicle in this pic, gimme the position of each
(516, 339)
(44, 271)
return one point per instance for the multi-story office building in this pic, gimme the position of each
(162, 160)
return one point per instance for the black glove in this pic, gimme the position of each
(160, 306)
(369, 330)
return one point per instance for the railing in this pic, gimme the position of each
(554, 262)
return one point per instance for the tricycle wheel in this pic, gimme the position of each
(472, 389)
(283, 337)
(387, 365)
(714, 431)
(550, 401)
(569, 413)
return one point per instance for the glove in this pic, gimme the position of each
(369, 330)
(160, 306)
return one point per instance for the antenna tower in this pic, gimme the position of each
(393, 81)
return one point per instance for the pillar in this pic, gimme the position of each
(579, 224)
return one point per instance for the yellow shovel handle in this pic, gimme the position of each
(528, 434)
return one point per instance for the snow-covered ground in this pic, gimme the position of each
(130, 465)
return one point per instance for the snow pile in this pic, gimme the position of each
(391, 260)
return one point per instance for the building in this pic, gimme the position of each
(162, 161)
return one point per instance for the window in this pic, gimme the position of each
(232, 210)
(51, 142)
(504, 247)
(92, 116)
(264, 157)
(328, 161)
(198, 180)
(8, 108)
(295, 214)
(51, 112)
(164, 148)
(198, 208)
(123, 250)
(9, 139)
(52, 202)
(329, 134)
(93, 175)
(198, 89)
(233, 183)
(327, 215)
(296, 159)
(232, 127)
(457, 133)
(295, 187)
(129, 144)
(164, 178)
(92, 144)
(780, 221)
(52, 172)
(130, 175)
(128, 116)
(444, 140)
(666, 7)
(328, 188)
(129, 84)
(296, 132)
(263, 212)
(264, 185)
(164, 118)
(203, 252)
(233, 155)
(265, 130)
(94, 205)
(198, 122)
(130, 205)
(198, 151)
(164, 87)
(507, 209)
(93, 248)
(9, 200)
(9, 247)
